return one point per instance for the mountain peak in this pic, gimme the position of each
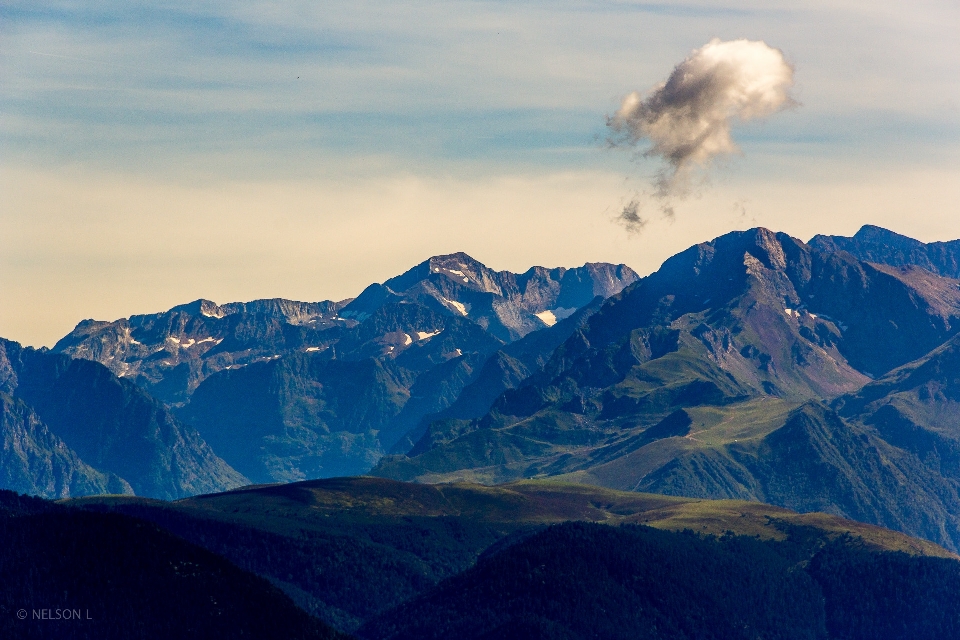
(878, 245)
(874, 234)
(202, 306)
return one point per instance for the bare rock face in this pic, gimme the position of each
(506, 304)
(170, 353)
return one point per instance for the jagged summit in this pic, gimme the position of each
(506, 304)
(879, 245)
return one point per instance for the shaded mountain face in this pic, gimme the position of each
(74, 428)
(916, 408)
(337, 412)
(503, 370)
(708, 378)
(875, 244)
(35, 461)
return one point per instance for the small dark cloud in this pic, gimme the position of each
(630, 217)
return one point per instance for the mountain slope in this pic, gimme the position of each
(504, 370)
(917, 408)
(708, 378)
(35, 461)
(111, 425)
(334, 413)
(426, 334)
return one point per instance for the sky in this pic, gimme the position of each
(156, 153)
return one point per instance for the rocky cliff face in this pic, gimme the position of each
(294, 378)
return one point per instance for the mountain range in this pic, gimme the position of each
(817, 376)
(771, 426)
(754, 366)
(280, 390)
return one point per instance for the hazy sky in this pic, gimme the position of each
(155, 153)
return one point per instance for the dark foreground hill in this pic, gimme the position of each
(351, 549)
(580, 580)
(70, 574)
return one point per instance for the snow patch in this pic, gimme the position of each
(459, 306)
(132, 341)
(407, 339)
(309, 349)
(423, 335)
(547, 317)
(459, 273)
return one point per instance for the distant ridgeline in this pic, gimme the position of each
(387, 560)
(820, 376)
(273, 390)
